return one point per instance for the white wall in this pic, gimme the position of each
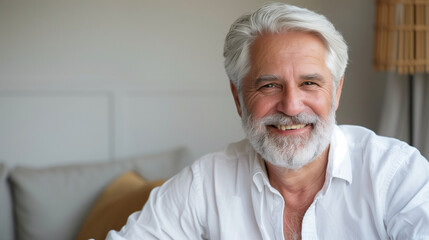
(95, 80)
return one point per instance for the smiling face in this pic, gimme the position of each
(287, 98)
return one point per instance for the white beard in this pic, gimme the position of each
(291, 152)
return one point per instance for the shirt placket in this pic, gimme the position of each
(308, 231)
(277, 215)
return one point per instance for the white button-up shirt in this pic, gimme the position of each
(375, 188)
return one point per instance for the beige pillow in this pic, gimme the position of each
(123, 196)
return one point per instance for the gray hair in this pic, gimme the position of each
(277, 18)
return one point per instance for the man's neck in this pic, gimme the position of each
(309, 179)
(298, 188)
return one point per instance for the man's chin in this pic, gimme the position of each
(290, 164)
(291, 143)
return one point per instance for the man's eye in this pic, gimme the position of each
(308, 83)
(268, 86)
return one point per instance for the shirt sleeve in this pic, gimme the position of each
(407, 199)
(171, 212)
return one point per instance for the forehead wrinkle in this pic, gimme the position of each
(268, 49)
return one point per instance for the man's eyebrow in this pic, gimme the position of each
(314, 76)
(269, 77)
(266, 78)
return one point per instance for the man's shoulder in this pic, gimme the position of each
(365, 139)
(378, 153)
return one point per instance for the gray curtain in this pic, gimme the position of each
(394, 118)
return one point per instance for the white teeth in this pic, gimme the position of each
(290, 127)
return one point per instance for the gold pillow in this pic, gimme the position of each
(125, 195)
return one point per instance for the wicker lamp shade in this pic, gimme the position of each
(402, 36)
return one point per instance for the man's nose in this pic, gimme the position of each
(290, 102)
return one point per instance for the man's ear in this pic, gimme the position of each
(338, 93)
(236, 98)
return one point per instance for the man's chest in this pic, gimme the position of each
(263, 216)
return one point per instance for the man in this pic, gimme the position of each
(297, 175)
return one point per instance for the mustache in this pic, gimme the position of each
(281, 119)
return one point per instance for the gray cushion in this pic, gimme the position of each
(52, 203)
(6, 215)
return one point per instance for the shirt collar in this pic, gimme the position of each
(258, 169)
(339, 163)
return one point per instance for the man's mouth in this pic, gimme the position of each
(290, 127)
